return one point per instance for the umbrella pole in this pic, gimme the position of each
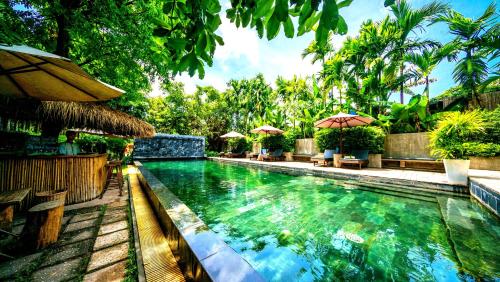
(341, 143)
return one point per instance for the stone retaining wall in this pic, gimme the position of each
(169, 146)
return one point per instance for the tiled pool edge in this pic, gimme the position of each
(486, 195)
(201, 254)
(346, 175)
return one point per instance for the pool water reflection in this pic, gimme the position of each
(304, 228)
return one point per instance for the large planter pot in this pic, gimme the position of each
(375, 160)
(336, 160)
(457, 171)
(288, 156)
(488, 163)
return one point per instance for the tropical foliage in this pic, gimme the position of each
(356, 138)
(462, 135)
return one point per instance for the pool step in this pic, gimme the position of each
(395, 193)
(396, 190)
(412, 189)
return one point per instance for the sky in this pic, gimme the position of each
(244, 54)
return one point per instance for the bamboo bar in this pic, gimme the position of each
(84, 176)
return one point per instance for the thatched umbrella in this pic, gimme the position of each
(85, 116)
(27, 72)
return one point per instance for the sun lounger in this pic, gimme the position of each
(360, 159)
(240, 154)
(323, 159)
(276, 155)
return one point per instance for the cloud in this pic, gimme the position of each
(239, 44)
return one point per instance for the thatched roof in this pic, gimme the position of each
(86, 116)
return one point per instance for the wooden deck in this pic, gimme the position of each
(159, 261)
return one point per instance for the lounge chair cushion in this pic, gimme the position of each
(359, 155)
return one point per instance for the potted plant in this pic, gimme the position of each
(449, 142)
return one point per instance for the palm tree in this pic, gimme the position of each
(409, 20)
(319, 52)
(478, 40)
(425, 62)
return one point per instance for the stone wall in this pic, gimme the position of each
(168, 146)
(407, 146)
(306, 147)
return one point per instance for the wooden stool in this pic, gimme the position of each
(51, 195)
(111, 167)
(43, 224)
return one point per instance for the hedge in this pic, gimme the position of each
(355, 138)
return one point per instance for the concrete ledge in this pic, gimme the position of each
(487, 192)
(201, 254)
(345, 174)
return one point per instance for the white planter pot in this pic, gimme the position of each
(457, 171)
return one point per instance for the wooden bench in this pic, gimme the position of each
(302, 158)
(429, 165)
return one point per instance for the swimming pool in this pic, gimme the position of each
(304, 228)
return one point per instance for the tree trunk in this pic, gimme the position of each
(426, 91)
(401, 89)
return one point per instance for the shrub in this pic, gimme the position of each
(98, 144)
(240, 144)
(272, 142)
(289, 140)
(476, 149)
(371, 138)
(492, 127)
(212, 153)
(454, 129)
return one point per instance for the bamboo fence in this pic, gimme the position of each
(84, 177)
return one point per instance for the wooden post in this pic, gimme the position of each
(43, 224)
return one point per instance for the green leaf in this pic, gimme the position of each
(341, 26)
(281, 10)
(176, 43)
(344, 3)
(305, 12)
(330, 15)
(201, 43)
(309, 24)
(213, 22)
(260, 28)
(272, 27)
(212, 6)
(263, 7)
(288, 26)
(389, 2)
(201, 71)
(245, 18)
(327, 22)
(218, 39)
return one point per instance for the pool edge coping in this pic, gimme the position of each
(188, 242)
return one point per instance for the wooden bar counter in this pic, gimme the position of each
(84, 176)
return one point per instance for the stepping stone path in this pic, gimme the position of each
(93, 245)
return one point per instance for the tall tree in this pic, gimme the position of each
(409, 20)
(477, 41)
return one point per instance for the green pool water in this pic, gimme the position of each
(304, 228)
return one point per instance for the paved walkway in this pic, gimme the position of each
(412, 175)
(93, 245)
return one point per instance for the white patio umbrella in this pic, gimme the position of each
(266, 129)
(28, 72)
(342, 120)
(233, 134)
